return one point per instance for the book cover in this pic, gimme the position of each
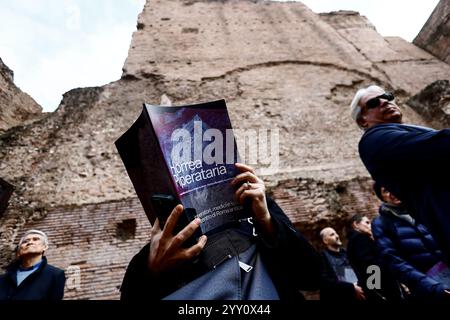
(188, 152)
(441, 273)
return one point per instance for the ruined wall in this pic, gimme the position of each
(435, 34)
(94, 244)
(278, 65)
(433, 103)
(16, 107)
(313, 205)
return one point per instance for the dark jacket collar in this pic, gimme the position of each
(396, 212)
(390, 209)
(404, 126)
(352, 233)
(33, 267)
(336, 254)
(11, 270)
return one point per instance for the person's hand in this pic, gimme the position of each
(405, 289)
(254, 191)
(359, 293)
(166, 252)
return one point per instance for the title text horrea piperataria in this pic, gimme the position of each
(189, 172)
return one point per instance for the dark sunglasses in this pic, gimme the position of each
(375, 102)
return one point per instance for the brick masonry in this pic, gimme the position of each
(92, 238)
(277, 64)
(100, 240)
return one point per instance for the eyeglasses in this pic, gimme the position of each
(376, 102)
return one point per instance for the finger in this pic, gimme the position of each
(250, 194)
(197, 248)
(243, 167)
(237, 194)
(184, 234)
(155, 228)
(245, 186)
(172, 221)
(249, 186)
(246, 176)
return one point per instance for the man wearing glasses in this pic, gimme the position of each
(412, 162)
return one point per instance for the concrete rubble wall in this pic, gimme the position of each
(435, 34)
(278, 65)
(16, 107)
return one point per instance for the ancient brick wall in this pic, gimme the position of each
(435, 34)
(16, 107)
(99, 239)
(312, 205)
(277, 65)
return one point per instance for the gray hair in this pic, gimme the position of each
(355, 109)
(322, 232)
(34, 231)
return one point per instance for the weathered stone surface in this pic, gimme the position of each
(313, 205)
(278, 65)
(435, 34)
(6, 191)
(433, 103)
(16, 107)
(88, 238)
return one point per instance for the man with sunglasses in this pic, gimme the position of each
(412, 162)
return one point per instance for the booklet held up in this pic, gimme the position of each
(184, 154)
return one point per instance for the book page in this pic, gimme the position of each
(200, 151)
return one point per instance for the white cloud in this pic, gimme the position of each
(73, 17)
(403, 18)
(54, 46)
(96, 62)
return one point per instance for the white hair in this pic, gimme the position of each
(322, 232)
(355, 109)
(34, 231)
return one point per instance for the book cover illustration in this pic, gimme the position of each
(441, 273)
(189, 152)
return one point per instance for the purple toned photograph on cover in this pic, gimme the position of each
(199, 149)
(441, 273)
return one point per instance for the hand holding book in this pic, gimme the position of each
(166, 250)
(253, 191)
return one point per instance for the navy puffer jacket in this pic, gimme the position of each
(409, 251)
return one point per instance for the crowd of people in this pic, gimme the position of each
(403, 254)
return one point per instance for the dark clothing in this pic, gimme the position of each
(413, 163)
(228, 281)
(338, 277)
(46, 283)
(409, 251)
(291, 262)
(363, 252)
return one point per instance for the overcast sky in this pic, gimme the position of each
(57, 45)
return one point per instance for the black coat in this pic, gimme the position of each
(331, 288)
(410, 251)
(363, 252)
(46, 283)
(292, 263)
(413, 163)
